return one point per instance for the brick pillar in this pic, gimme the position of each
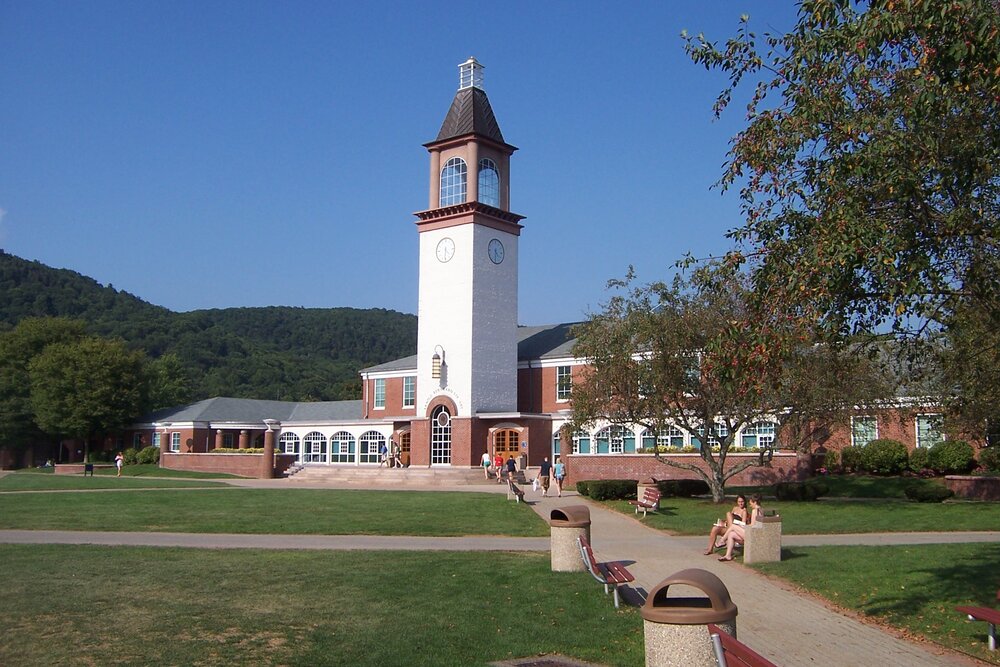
(267, 465)
(218, 439)
(244, 439)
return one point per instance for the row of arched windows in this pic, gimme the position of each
(454, 178)
(341, 447)
(621, 440)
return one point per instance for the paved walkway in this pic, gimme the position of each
(785, 625)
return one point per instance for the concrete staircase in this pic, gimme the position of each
(381, 477)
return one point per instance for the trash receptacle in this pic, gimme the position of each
(567, 524)
(763, 541)
(675, 627)
(643, 484)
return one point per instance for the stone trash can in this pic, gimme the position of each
(763, 541)
(643, 484)
(675, 627)
(567, 524)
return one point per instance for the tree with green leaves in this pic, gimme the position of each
(88, 387)
(18, 347)
(868, 169)
(697, 355)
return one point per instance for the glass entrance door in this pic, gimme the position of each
(505, 443)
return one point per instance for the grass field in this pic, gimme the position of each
(102, 605)
(280, 511)
(694, 516)
(43, 482)
(915, 588)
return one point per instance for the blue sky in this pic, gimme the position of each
(218, 154)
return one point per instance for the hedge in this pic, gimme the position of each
(607, 489)
(884, 457)
(952, 456)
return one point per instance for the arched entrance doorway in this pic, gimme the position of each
(441, 436)
(505, 443)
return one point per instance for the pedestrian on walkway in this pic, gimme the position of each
(486, 464)
(544, 473)
(511, 468)
(119, 462)
(498, 466)
(383, 455)
(560, 472)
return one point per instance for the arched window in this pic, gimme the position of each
(760, 435)
(342, 447)
(314, 449)
(453, 182)
(489, 182)
(289, 443)
(441, 436)
(370, 443)
(615, 440)
(668, 437)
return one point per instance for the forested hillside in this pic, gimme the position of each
(272, 353)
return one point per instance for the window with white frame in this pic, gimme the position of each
(864, 429)
(369, 444)
(342, 447)
(489, 182)
(453, 182)
(409, 391)
(156, 440)
(614, 440)
(929, 430)
(289, 443)
(175, 442)
(581, 443)
(759, 435)
(668, 437)
(718, 433)
(379, 393)
(564, 382)
(314, 447)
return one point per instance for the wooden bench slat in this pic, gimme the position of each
(611, 574)
(981, 613)
(736, 653)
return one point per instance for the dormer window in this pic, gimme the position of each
(453, 182)
(489, 182)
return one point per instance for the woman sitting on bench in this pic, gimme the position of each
(739, 511)
(736, 533)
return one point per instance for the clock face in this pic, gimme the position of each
(445, 249)
(495, 251)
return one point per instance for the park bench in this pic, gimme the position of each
(650, 501)
(514, 491)
(611, 575)
(730, 652)
(990, 616)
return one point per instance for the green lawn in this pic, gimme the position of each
(915, 588)
(28, 481)
(125, 605)
(153, 470)
(694, 516)
(287, 511)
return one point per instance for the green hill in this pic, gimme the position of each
(274, 353)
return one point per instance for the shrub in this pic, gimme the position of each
(952, 456)
(683, 488)
(131, 456)
(149, 455)
(610, 489)
(884, 457)
(850, 459)
(919, 459)
(928, 493)
(832, 459)
(583, 487)
(799, 490)
(236, 450)
(989, 458)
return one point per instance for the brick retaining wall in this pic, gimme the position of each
(245, 465)
(785, 467)
(974, 488)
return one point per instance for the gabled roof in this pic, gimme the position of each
(243, 410)
(547, 341)
(470, 113)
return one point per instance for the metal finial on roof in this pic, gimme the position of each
(470, 74)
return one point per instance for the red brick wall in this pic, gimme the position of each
(975, 488)
(393, 400)
(784, 467)
(245, 465)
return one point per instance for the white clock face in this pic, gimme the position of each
(445, 249)
(495, 251)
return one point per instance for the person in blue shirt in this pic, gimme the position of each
(560, 474)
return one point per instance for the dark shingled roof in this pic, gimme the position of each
(224, 408)
(470, 113)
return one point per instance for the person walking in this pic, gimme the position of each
(544, 474)
(511, 468)
(119, 462)
(486, 464)
(498, 466)
(559, 469)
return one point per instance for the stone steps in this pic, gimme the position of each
(416, 476)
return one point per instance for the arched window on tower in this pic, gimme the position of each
(489, 182)
(453, 182)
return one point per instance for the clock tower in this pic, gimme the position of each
(467, 326)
